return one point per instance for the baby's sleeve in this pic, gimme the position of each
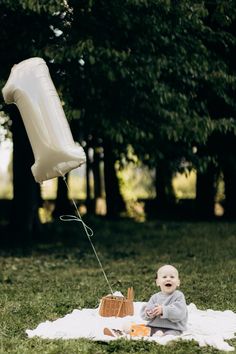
(176, 311)
(148, 306)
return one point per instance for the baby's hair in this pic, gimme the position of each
(166, 265)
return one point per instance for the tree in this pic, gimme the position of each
(201, 81)
(144, 73)
(137, 79)
(24, 222)
(26, 31)
(218, 92)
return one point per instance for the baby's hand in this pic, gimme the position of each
(157, 311)
(150, 313)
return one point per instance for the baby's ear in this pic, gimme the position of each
(178, 282)
(157, 281)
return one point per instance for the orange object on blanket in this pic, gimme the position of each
(140, 330)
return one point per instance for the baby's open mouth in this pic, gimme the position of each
(168, 284)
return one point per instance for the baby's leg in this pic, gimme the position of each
(159, 332)
(172, 332)
(156, 331)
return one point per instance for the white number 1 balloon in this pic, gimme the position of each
(30, 87)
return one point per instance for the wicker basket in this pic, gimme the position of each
(117, 306)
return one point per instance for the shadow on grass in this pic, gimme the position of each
(58, 236)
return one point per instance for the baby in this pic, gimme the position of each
(166, 311)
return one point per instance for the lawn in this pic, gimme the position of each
(62, 273)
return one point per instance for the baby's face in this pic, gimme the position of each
(167, 279)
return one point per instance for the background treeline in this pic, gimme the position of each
(157, 76)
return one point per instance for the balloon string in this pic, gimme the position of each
(88, 231)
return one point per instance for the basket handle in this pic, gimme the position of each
(121, 303)
(130, 294)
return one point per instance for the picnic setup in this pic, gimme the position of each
(117, 177)
(207, 327)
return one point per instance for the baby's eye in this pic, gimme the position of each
(172, 276)
(164, 276)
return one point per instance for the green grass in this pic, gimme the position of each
(59, 276)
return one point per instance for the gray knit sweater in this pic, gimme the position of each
(175, 312)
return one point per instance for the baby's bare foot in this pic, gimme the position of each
(158, 333)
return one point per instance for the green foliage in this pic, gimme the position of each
(58, 277)
(27, 29)
(136, 180)
(185, 185)
(147, 73)
(157, 75)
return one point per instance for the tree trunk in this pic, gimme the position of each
(114, 200)
(24, 223)
(229, 171)
(98, 181)
(62, 203)
(97, 174)
(165, 197)
(90, 204)
(205, 193)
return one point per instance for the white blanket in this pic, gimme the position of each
(206, 327)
